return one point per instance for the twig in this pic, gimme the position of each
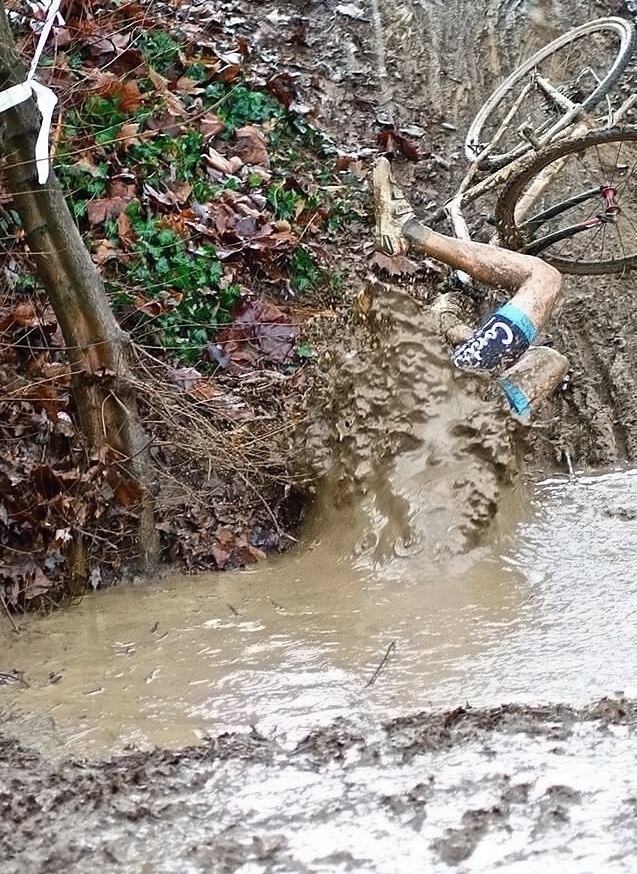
(8, 612)
(390, 649)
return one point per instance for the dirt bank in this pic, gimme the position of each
(336, 801)
(428, 66)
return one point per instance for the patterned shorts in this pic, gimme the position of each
(497, 343)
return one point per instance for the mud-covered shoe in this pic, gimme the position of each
(449, 310)
(532, 379)
(391, 207)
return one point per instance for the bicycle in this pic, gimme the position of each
(567, 172)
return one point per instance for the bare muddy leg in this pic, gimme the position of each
(501, 341)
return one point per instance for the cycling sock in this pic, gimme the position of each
(497, 343)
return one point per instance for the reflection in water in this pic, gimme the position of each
(292, 644)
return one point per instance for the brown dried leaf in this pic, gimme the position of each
(187, 86)
(128, 492)
(211, 125)
(282, 86)
(393, 142)
(127, 94)
(173, 103)
(259, 330)
(104, 251)
(156, 306)
(37, 583)
(98, 211)
(128, 134)
(125, 230)
(394, 264)
(251, 146)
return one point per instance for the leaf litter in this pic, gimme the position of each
(216, 214)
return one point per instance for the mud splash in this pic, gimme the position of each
(415, 457)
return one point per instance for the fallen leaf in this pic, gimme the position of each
(104, 251)
(186, 377)
(125, 230)
(123, 185)
(128, 492)
(250, 146)
(211, 125)
(126, 94)
(394, 264)
(260, 330)
(37, 583)
(351, 10)
(173, 103)
(204, 390)
(218, 162)
(188, 86)
(156, 306)
(393, 142)
(98, 211)
(283, 88)
(128, 134)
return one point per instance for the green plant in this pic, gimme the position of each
(283, 201)
(161, 262)
(305, 272)
(81, 184)
(238, 105)
(155, 157)
(104, 115)
(196, 71)
(305, 351)
(160, 49)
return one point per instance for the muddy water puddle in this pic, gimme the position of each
(544, 613)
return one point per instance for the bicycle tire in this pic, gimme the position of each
(512, 235)
(628, 35)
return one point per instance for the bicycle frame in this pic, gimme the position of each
(468, 193)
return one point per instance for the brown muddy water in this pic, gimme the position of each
(545, 613)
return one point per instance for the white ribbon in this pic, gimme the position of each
(44, 97)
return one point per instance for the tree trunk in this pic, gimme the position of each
(99, 351)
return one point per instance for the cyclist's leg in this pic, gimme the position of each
(536, 284)
(508, 332)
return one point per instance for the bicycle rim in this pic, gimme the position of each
(570, 225)
(567, 63)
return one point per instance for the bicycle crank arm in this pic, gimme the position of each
(536, 221)
(538, 246)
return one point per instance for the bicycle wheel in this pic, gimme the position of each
(575, 204)
(583, 65)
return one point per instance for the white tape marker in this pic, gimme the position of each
(44, 97)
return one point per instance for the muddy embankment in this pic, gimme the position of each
(430, 64)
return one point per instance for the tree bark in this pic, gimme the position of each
(99, 351)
